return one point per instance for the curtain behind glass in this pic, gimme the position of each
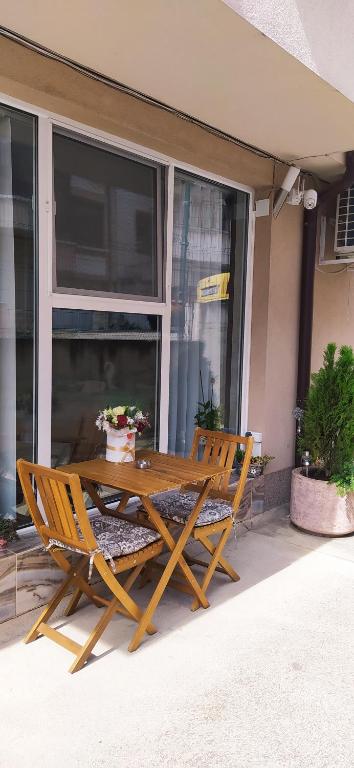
(208, 268)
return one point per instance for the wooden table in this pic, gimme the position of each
(166, 473)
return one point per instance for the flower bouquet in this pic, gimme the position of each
(121, 424)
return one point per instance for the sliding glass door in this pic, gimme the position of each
(100, 359)
(207, 299)
(139, 294)
(107, 247)
(17, 317)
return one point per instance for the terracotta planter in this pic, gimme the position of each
(120, 446)
(316, 507)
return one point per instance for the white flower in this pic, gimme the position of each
(119, 410)
(139, 415)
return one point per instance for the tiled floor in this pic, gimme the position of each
(29, 576)
(262, 679)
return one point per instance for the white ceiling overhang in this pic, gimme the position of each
(200, 57)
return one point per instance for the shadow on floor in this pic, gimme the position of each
(271, 545)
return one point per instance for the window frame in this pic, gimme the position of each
(48, 299)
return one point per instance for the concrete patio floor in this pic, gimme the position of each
(262, 679)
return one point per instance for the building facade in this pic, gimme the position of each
(134, 268)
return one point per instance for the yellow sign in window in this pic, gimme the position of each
(213, 288)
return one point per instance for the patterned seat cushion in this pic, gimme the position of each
(116, 538)
(178, 506)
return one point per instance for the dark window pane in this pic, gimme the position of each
(100, 359)
(106, 220)
(17, 267)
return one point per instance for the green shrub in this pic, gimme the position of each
(328, 422)
(8, 529)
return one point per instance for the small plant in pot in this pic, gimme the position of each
(257, 463)
(322, 496)
(7, 531)
(208, 415)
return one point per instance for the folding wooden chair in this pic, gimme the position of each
(111, 545)
(219, 510)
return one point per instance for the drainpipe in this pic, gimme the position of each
(309, 242)
(309, 249)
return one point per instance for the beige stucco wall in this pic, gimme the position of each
(275, 322)
(283, 324)
(37, 80)
(333, 317)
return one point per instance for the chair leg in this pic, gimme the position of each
(93, 638)
(146, 576)
(223, 563)
(133, 577)
(82, 584)
(216, 554)
(73, 574)
(71, 608)
(119, 592)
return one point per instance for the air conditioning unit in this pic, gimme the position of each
(344, 232)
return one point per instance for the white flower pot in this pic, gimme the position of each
(316, 506)
(120, 446)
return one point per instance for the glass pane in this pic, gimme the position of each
(17, 266)
(100, 359)
(106, 223)
(208, 274)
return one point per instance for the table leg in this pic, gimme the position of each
(176, 548)
(94, 496)
(99, 503)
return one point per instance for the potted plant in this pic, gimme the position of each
(322, 495)
(257, 463)
(7, 531)
(121, 424)
(208, 415)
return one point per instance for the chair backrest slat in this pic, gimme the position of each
(220, 448)
(224, 454)
(214, 456)
(46, 494)
(63, 505)
(65, 509)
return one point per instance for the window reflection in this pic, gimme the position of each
(107, 220)
(17, 263)
(208, 272)
(100, 359)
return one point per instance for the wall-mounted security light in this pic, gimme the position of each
(310, 199)
(286, 187)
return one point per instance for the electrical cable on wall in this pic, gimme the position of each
(116, 85)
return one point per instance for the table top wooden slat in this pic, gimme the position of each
(166, 473)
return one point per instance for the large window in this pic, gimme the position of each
(17, 317)
(129, 289)
(208, 275)
(108, 221)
